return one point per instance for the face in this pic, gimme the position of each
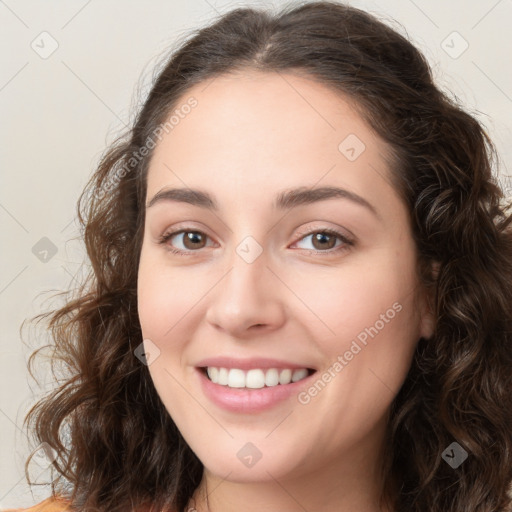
(295, 259)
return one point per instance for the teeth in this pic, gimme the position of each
(285, 377)
(299, 374)
(236, 378)
(255, 378)
(223, 377)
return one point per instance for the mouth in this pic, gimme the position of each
(251, 386)
(254, 378)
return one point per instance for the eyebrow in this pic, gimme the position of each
(287, 199)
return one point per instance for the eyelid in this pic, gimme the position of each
(184, 227)
(344, 233)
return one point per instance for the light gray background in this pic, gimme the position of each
(59, 112)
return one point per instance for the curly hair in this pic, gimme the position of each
(123, 450)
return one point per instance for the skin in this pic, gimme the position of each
(251, 136)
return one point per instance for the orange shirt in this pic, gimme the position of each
(49, 505)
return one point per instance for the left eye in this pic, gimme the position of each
(325, 240)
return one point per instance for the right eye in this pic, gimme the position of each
(191, 241)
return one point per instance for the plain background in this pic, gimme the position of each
(60, 111)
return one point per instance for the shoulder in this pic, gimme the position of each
(52, 504)
(49, 505)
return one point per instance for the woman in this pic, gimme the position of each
(300, 289)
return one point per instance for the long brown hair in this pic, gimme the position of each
(117, 447)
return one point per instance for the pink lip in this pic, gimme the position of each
(250, 400)
(247, 364)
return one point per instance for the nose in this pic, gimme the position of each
(248, 299)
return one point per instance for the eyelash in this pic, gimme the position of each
(347, 243)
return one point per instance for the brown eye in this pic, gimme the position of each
(184, 242)
(192, 239)
(326, 241)
(323, 240)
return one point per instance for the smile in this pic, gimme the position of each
(255, 378)
(255, 388)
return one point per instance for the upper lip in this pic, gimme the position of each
(250, 363)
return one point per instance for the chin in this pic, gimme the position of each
(243, 461)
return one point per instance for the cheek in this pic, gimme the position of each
(366, 314)
(165, 295)
(154, 306)
(164, 307)
(354, 299)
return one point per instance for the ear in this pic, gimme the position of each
(428, 320)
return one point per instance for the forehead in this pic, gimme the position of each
(269, 106)
(251, 131)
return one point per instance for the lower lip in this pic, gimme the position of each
(243, 400)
